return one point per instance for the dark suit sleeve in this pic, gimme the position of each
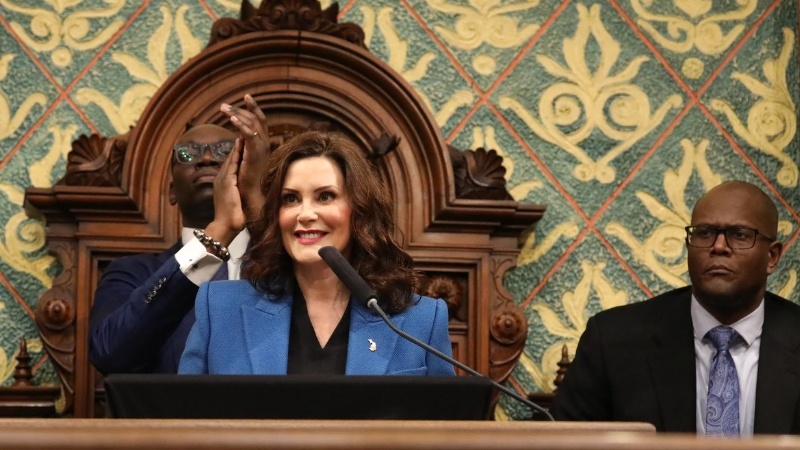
(585, 393)
(126, 331)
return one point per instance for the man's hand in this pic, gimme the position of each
(229, 217)
(252, 124)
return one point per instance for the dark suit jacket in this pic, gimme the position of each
(637, 363)
(128, 334)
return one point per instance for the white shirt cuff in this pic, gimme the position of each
(197, 263)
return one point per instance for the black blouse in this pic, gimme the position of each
(305, 353)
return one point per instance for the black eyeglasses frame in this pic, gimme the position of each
(219, 151)
(690, 230)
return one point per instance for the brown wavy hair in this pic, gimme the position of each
(373, 252)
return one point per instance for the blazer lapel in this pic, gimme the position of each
(266, 328)
(371, 342)
(672, 368)
(778, 385)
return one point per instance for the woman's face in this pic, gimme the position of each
(315, 211)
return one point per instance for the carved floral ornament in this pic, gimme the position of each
(447, 289)
(508, 324)
(96, 161)
(479, 174)
(271, 15)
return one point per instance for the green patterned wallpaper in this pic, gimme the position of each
(617, 114)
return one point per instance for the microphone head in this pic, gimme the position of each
(347, 274)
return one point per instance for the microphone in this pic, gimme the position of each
(362, 292)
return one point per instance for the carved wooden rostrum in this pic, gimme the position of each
(23, 398)
(455, 217)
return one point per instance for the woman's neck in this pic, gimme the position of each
(326, 299)
(320, 285)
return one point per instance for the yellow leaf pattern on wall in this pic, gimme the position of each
(500, 415)
(771, 121)
(574, 304)
(41, 171)
(606, 102)
(663, 250)
(5, 61)
(398, 60)
(489, 22)
(24, 236)
(785, 229)
(532, 253)
(152, 72)
(230, 4)
(9, 123)
(685, 34)
(485, 21)
(131, 104)
(60, 32)
(787, 290)
(367, 23)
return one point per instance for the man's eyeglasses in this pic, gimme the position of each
(738, 238)
(190, 152)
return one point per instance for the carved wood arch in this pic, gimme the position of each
(457, 220)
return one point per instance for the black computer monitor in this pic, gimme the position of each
(298, 397)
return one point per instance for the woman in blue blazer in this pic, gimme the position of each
(290, 313)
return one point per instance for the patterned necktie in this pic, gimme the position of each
(722, 409)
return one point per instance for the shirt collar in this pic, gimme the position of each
(748, 327)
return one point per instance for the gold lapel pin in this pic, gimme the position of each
(372, 345)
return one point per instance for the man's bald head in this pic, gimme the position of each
(752, 198)
(204, 131)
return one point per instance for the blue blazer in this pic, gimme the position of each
(239, 330)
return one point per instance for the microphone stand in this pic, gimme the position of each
(361, 291)
(372, 304)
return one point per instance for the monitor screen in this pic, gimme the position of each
(298, 397)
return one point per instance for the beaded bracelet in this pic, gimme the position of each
(213, 246)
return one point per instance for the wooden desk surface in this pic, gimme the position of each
(312, 434)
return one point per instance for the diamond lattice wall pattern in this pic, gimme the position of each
(616, 114)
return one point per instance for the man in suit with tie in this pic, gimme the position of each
(144, 304)
(720, 357)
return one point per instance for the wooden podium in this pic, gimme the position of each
(118, 434)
